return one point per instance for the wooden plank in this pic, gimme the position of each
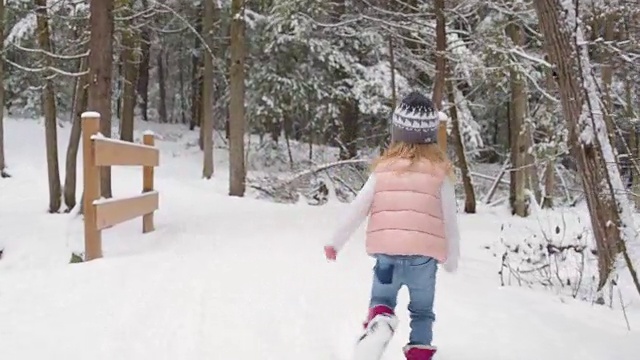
(111, 152)
(110, 212)
(147, 184)
(91, 178)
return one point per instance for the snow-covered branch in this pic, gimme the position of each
(50, 54)
(46, 69)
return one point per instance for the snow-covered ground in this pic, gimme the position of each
(229, 278)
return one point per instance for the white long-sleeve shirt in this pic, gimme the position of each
(359, 208)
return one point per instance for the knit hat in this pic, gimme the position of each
(415, 120)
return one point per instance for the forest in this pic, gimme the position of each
(541, 96)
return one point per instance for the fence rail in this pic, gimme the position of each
(99, 214)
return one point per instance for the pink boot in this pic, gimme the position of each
(419, 352)
(377, 310)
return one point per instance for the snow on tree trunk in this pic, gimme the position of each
(3, 172)
(610, 212)
(469, 193)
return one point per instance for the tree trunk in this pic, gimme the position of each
(129, 63)
(100, 64)
(607, 74)
(162, 88)
(181, 91)
(518, 134)
(634, 144)
(143, 69)
(237, 172)
(207, 90)
(312, 133)
(611, 217)
(288, 124)
(79, 105)
(3, 164)
(386, 138)
(469, 194)
(530, 163)
(196, 80)
(441, 64)
(349, 134)
(49, 110)
(549, 183)
(550, 167)
(274, 126)
(143, 74)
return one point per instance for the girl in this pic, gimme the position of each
(412, 225)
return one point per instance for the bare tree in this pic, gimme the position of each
(79, 105)
(162, 86)
(517, 128)
(129, 61)
(469, 194)
(49, 109)
(441, 64)
(142, 82)
(450, 88)
(237, 171)
(207, 89)
(3, 164)
(100, 63)
(196, 75)
(549, 169)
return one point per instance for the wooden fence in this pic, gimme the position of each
(99, 214)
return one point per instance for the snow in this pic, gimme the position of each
(105, 139)
(23, 28)
(465, 60)
(465, 63)
(90, 114)
(232, 278)
(103, 201)
(470, 130)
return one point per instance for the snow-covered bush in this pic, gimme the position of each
(556, 253)
(556, 257)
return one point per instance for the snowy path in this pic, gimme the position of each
(227, 278)
(249, 279)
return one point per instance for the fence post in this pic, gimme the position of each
(91, 178)
(147, 183)
(442, 135)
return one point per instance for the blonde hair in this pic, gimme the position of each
(416, 153)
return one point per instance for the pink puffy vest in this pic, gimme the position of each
(406, 213)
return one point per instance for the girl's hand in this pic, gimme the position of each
(330, 253)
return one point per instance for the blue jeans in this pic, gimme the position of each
(418, 273)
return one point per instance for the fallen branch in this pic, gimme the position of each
(624, 309)
(325, 167)
(488, 177)
(496, 182)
